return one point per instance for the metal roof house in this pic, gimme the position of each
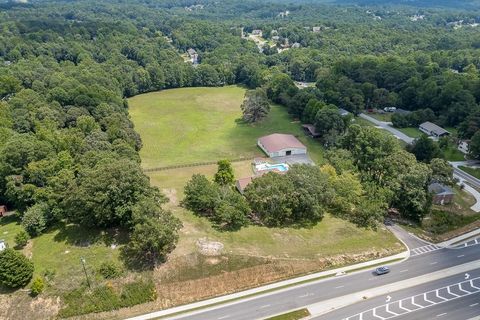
(280, 145)
(433, 130)
(441, 193)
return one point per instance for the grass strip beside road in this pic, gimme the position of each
(274, 289)
(294, 315)
(471, 171)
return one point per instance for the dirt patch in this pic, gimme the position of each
(27, 250)
(171, 194)
(209, 248)
(20, 305)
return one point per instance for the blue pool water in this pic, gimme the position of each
(266, 166)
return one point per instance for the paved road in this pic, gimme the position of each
(385, 125)
(452, 298)
(311, 293)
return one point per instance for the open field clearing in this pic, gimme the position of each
(192, 125)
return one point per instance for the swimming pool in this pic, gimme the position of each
(282, 167)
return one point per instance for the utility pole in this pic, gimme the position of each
(82, 259)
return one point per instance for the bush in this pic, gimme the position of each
(37, 286)
(110, 270)
(105, 298)
(15, 269)
(21, 239)
(34, 220)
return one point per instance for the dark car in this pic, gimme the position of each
(382, 270)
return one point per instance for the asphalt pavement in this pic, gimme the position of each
(454, 297)
(307, 294)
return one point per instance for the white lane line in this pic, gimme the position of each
(461, 289)
(224, 317)
(441, 314)
(460, 256)
(450, 292)
(416, 304)
(471, 284)
(306, 295)
(439, 296)
(401, 271)
(473, 305)
(263, 307)
(377, 316)
(389, 311)
(426, 299)
(339, 287)
(432, 263)
(403, 308)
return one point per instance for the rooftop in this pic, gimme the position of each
(279, 141)
(432, 127)
(440, 189)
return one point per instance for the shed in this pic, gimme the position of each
(343, 112)
(310, 130)
(433, 130)
(3, 245)
(280, 145)
(464, 146)
(441, 193)
(3, 210)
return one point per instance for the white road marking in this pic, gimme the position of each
(422, 301)
(224, 317)
(462, 255)
(401, 271)
(432, 263)
(306, 295)
(339, 287)
(263, 307)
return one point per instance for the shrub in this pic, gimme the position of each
(37, 286)
(15, 269)
(34, 220)
(110, 270)
(105, 298)
(21, 239)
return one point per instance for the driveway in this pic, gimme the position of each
(386, 125)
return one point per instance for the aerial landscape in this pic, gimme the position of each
(240, 159)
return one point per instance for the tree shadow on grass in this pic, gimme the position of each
(12, 218)
(80, 236)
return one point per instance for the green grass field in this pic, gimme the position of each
(216, 109)
(411, 132)
(191, 125)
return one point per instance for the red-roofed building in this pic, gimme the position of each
(241, 184)
(280, 145)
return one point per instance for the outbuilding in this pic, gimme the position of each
(441, 193)
(3, 245)
(281, 145)
(433, 130)
(3, 210)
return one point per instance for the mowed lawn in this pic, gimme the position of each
(191, 125)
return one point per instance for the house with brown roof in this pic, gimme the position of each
(3, 210)
(281, 145)
(242, 183)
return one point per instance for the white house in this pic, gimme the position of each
(463, 146)
(280, 145)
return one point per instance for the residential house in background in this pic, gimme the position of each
(441, 193)
(242, 183)
(193, 55)
(257, 32)
(433, 130)
(316, 29)
(343, 112)
(463, 146)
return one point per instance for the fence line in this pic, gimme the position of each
(195, 164)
